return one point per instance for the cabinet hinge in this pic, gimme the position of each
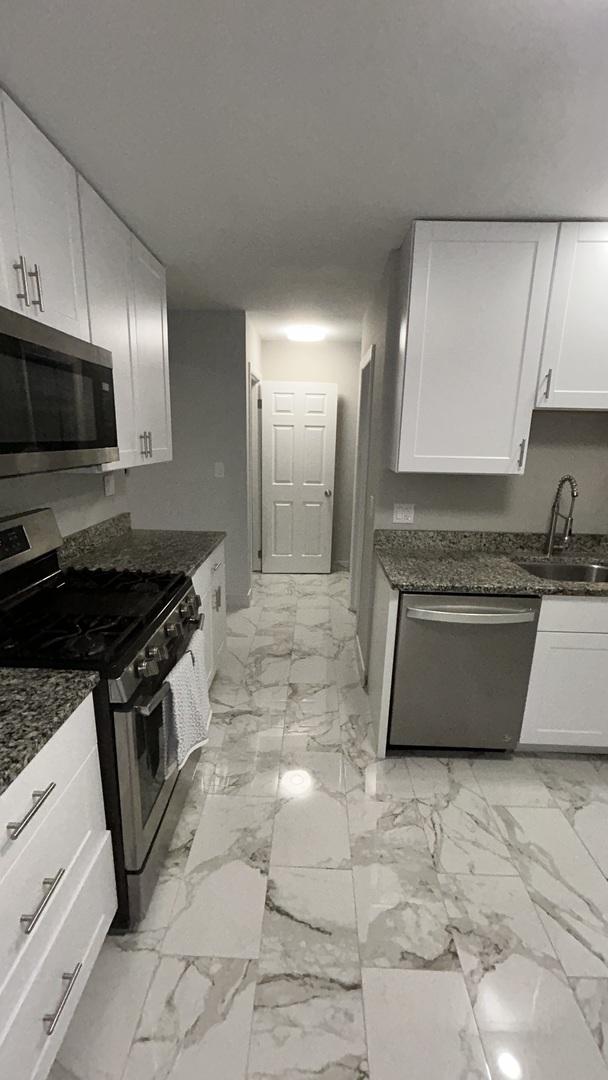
(260, 554)
(259, 403)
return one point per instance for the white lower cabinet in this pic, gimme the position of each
(57, 894)
(209, 581)
(566, 703)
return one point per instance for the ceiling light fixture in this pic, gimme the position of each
(306, 332)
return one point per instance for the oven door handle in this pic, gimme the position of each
(148, 707)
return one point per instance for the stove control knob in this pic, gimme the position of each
(144, 669)
(172, 630)
(157, 652)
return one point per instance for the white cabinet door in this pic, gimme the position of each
(149, 341)
(470, 341)
(10, 274)
(574, 366)
(47, 221)
(107, 246)
(566, 704)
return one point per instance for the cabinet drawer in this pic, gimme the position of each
(203, 575)
(56, 764)
(62, 843)
(26, 1048)
(574, 614)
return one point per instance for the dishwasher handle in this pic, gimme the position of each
(473, 618)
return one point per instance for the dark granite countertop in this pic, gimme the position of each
(148, 549)
(425, 561)
(33, 706)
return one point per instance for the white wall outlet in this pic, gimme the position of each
(109, 483)
(403, 514)
(218, 470)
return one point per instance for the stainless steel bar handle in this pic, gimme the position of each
(15, 828)
(218, 598)
(522, 453)
(548, 378)
(216, 567)
(473, 618)
(150, 443)
(52, 1019)
(143, 446)
(149, 706)
(35, 274)
(21, 268)
(29, 922)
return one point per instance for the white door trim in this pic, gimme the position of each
(361, 481)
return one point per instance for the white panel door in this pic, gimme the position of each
(45, 201)
(574, 367)
(477, 307)
(150, 348)
(298, 462)
(107, 247)
(566, 703)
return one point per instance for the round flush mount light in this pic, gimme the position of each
(306, 332)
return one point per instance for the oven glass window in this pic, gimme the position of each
(152, 757)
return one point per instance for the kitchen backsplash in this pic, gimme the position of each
(77, 498)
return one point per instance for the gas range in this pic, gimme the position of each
(132, 627)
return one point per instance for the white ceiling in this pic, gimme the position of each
(271, 152)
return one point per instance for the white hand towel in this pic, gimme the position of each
(187, 705)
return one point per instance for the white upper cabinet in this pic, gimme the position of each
(574, 366)
(472, 322)
(42, 257)
(10, 279)
(107, 254)
(150, 351)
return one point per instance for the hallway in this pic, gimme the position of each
(324, 915)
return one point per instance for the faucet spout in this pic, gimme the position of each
(553, 543)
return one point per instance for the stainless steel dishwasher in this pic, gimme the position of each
(462, 666)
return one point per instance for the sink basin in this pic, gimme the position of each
(561, 571)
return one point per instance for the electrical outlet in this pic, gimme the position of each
(218, 470)
(109, 483)
(403, 514)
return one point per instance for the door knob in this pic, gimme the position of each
(327, 493)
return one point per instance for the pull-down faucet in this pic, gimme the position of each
(567, 519)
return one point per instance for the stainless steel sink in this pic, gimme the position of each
(561, 571)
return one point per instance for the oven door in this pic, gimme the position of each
(143, 754)
(56, 399)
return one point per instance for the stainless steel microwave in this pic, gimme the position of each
(56, 399)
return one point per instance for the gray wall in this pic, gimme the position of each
(208, 405)
(560, 442)
(334, 362)
(77, 499)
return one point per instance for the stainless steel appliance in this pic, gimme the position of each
(131, 627)
(56, 399)
(462, 666)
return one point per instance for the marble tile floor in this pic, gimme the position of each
(325, 915)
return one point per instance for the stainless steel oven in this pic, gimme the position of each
(56, 399)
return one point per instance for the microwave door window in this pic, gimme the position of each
(16, 415)
(63, 405)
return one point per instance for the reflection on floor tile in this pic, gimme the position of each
(477, 883)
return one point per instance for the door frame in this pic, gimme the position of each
(361, 479)
(255, 473)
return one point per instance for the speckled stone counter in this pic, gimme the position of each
(147, 549)
(33, 705)
(425, 561)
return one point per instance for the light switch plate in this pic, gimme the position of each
(218, 470)
(403, 514)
